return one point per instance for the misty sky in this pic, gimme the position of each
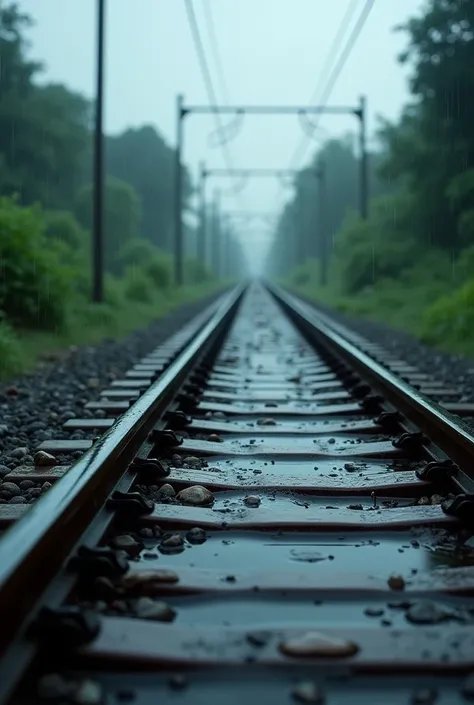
(271, 50)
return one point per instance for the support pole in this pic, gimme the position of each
(215, 253)
(178, 196)
(364, 189)
(98, 202)
(202, 237)
(323, 275)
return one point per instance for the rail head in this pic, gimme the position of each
(449, 432)
(29, 550)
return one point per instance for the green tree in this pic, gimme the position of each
(43, 129)
(122, 217)
(142, 158)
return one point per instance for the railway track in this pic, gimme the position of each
(278, 517)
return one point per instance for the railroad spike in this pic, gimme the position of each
(371, 403)
(164, 439)
(389, 420)
(411, 442)
(178, 420)
(130, 504)
(188, 402)
(461, 507)
(150, 469)
(360, 390)
(437, 472)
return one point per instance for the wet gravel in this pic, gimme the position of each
(34, 407)
(453, 370)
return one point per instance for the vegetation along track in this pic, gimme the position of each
(277, 517)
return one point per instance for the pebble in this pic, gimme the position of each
(374, 611)
(88, 693)
(18, 452)
(146, 608)
(214, 438)
(396, 582)
(172, 544)
(192, 461)
(11, 488)
(128, 544)
(252, 501)
(26, 485)
(307, 692)
(196, 535)
(197, 495)
(43, 459)
(4, 470)
(167, 490)
(147, 582)
(54, 687)
(266, 422)
(317, 644)
(146, 533)
(427, 613)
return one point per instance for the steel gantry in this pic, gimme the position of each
(300, 242)
(238, 112)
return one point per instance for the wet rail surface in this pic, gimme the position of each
(288, 539)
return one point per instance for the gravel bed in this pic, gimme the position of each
(34, 407)
(454, 370)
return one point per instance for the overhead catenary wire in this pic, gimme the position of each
(211, 30)
(339, 66)
(206, 74)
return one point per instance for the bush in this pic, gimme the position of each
(378, 248)
(61, 226)
(11, 352)
(34, 287)
(195, 272)
(136, 251)
(158, 269)
(451, 317)
(138, 286)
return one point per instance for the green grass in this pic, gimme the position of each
(436, 312)
(88, 324)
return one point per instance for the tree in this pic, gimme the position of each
(122, 217)
(43, 129)
(142, 158)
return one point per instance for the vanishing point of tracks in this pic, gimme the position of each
(271, 514)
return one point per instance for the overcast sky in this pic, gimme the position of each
(272, 52)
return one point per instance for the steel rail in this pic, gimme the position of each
(453, 435)
(33, 549)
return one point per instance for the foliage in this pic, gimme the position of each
(158, 269)
(34, 286)
(11, 353)
(142, 158)
(138, 286)
(61, 226)
(451, 317)
(122, 217)
(49, 123)
(377, 248)
(156, 264)
(195, 272)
